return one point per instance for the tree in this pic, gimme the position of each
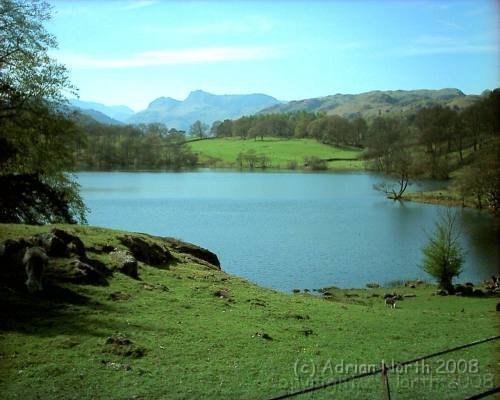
(442, 255)
(435, 129)
(214, 128)
(481, 178)
(28, 75)
(198, 129)
(384, 142)
(402, 169)
(225, 129)
(37, 139)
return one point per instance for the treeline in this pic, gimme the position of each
(144, 146)
(330, 129)
(437, 141)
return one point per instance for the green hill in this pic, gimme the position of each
(371, 104)
(186, 330)
(280, 153)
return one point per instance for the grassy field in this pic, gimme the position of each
(251, 343)
(281, 153)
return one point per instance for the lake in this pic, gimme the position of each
(287, 230)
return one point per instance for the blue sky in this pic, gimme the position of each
(131, 52)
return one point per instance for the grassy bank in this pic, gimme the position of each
(223, 153)
(206, 334)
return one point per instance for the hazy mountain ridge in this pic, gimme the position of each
(119, 113)
(208, 107)
(203, 106)
(370, 104)
(95, 115)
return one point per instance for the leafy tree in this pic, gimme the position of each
(241, 126)
(225, 129)
(481, 178)
(28, 75)
(360, 129)
(435, 127)
(37, 139)
(214, 128)
(385, 137)
(198, 129)
(442, 255)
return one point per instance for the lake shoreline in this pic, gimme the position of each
(196, 318)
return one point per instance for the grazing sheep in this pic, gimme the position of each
(35, 261)
(390, 301)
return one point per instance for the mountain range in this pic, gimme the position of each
(208, 107)
(116, 113)
(199, 105)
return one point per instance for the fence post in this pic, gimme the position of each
(385, 381)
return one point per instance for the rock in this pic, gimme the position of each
(196, 251)
(393, 295)
(116, 366)
(118, 339)
(125, 263)
(262, 335)
(222, 293)
(464, 290)
(35, 262)
(372, 285)
(101, 248)
(147, 251)
(53, 245)
(12, 252)
(77, 271)
(59, 243)
(121, 345)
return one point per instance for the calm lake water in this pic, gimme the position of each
(287, 230)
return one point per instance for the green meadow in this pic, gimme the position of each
(202, 333)
(281, 153)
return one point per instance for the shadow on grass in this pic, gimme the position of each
(57, 310)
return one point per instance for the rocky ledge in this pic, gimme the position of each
(59, 256)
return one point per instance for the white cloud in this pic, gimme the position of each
(169, 57)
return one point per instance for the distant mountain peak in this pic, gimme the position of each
(201, 105)
(164, 101)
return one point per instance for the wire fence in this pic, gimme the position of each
(384, 369)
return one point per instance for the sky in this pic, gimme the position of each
(131, 51)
